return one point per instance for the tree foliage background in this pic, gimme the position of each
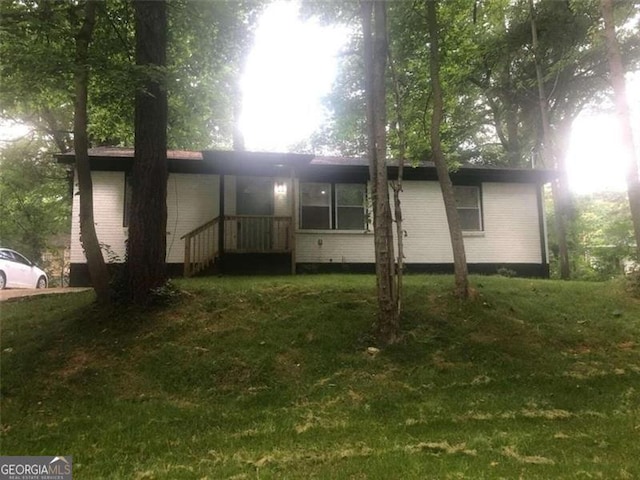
(34, 196)
(207, 46)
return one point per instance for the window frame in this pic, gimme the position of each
(21, 259)
(362, 207)
(333, 207)
(328, 206)
(479, 206)
(7, 255)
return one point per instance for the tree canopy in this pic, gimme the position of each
(207, 45)
(488, 76)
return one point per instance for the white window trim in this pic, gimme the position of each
(333, 207)
(478, 207)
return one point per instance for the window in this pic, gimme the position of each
(6, 255)
(468, 204)
(338, 206)
(350, 206)
(20, 259)
(315, 206)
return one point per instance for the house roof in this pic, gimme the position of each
(307, 166)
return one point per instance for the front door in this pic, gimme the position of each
(254, 206)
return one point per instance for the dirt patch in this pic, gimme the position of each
(20, 293)
(78, 362)
(289, 364)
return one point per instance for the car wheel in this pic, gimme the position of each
(42, 283)
(3, 281)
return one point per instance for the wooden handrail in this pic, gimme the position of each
(242, 234)
(200, 228)
(200, 247)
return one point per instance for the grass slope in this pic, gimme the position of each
(270, 378)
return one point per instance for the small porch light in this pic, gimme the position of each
(280, 188)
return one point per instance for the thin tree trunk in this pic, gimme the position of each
(375, 53)
(397, 185)
(624, 117)
(461, 273)
(559, 187)
(147, 244)
(98, 271)
(366, 10)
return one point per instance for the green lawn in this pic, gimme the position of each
(270, 377)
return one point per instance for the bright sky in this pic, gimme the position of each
(596, 160)
(11, 131)
(293, 66)
(290, 68)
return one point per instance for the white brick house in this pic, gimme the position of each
(261, 212)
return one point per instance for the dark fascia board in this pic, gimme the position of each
(209, 162)
(281, 164)
(264, 163)
(464, 175)
(121, 160)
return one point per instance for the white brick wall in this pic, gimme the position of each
(510, 211)
(195, 197)
(108, 208)
(334, 247)
(192, 200)
(511, 230)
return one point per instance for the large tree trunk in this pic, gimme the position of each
(455, 231)
(147, 244)
(375, 56)
(95, 262)
(622, 109)
(550, 156)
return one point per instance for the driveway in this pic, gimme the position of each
(13, 293)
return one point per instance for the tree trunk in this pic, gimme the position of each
(397, 185)
(375, 56)
(147, 244)
(95, 262)
(455, 231)
(559, 187)
(624, 117)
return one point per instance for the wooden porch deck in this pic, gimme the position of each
(237, 234)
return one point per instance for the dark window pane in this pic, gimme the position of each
(20, 259)
(351, 195)
(466, 196)
(351, 218)
(469, 218)
(315, 194)
(314, 218)
(254, 196)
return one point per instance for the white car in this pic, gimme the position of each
(16, 271)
